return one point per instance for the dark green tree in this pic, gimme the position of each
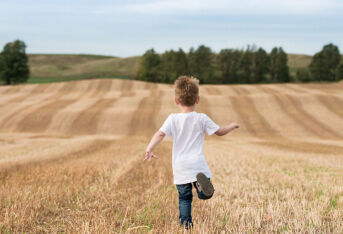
(168, 66)
(14, 67)
(229, 63)
(260, 66)
(150, 67)
(279, 70)
(201, 63)
(324, 63)
(246, 66)
(174, 64)
(243, 66)
(273, 64)
(282, 67)
(181, 63)
(317, 70)
(339, 71)
(303, 75)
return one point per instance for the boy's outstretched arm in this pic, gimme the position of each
(156, 138)
(226, 129)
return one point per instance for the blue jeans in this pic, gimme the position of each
(185, 202)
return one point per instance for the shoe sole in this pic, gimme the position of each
(206, 185)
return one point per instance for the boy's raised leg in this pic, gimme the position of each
(204, 186)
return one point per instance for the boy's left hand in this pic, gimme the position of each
(149, 155)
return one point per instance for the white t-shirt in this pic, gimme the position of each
(188, 131)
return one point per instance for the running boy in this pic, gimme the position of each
(187, 130)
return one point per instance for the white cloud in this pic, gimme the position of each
(228, 7)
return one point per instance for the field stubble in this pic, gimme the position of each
(71, 159)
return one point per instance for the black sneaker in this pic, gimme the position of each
(204, 185)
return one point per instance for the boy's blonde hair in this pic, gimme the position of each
(186, 90)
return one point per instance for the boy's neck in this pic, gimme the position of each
(186, 109)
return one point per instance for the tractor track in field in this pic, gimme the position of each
(88, 120)
(255, 123)
(332, 103)
(89, 150)
(144, 117)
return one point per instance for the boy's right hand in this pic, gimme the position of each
(149, 155)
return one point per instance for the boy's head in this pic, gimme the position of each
(187, 90)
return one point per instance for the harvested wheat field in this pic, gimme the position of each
(71, 159)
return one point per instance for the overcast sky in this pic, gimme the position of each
(130, 27)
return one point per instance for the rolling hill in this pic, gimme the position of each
(70, 67)
(50, 67)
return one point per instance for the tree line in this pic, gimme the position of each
(326, 65)
(230, 66)
(14, 67)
